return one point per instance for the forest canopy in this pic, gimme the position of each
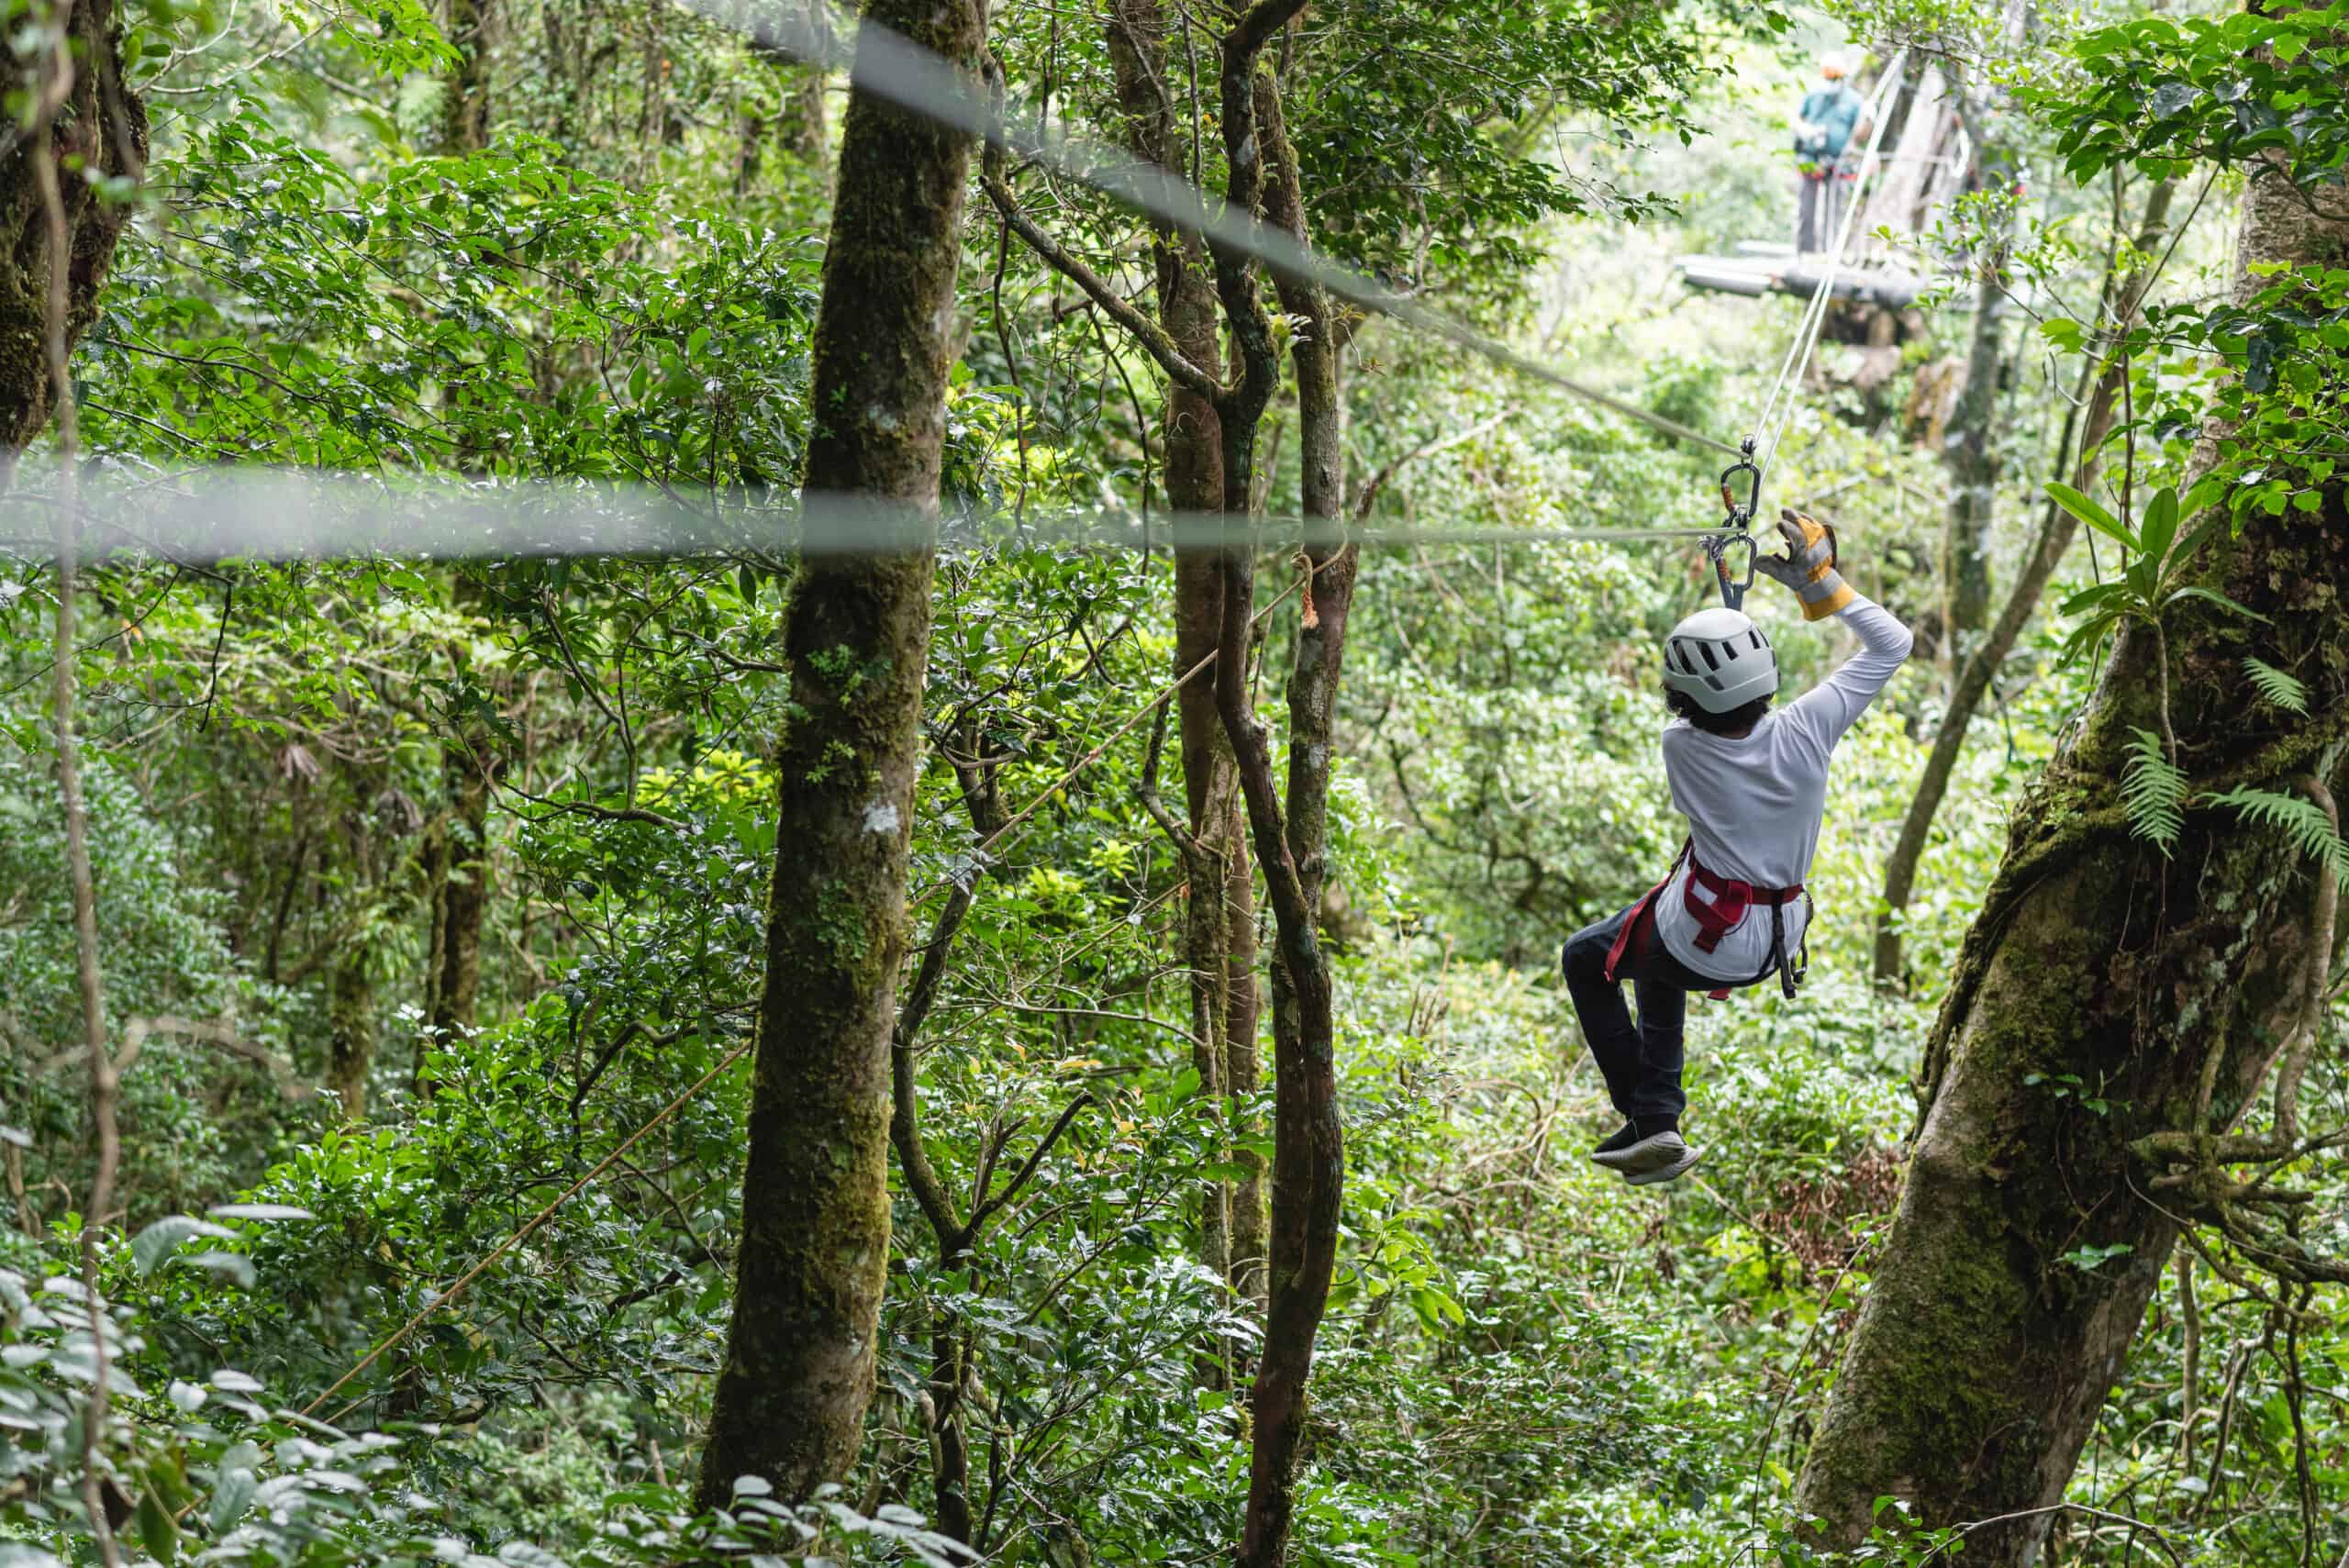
(794, 784)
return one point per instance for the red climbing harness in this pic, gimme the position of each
(1730, 901)
(1716, 904)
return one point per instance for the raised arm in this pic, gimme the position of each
(1834, 705)
(1831, 707)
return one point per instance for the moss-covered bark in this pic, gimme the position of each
(1982, 1355)
(800, 1352)
(100, 132)
(461, 891)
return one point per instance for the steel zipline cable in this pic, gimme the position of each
(254, 514)
(286, 516)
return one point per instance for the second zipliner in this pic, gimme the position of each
(1751, 779)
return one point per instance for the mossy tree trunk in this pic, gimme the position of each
(800, 1354)
(1985, 1349)
(1984, 659)
(352, 1004)
(99, 132)
(457, 862)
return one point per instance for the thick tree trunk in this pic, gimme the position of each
(1220, 946)
(99, 131)
(1983, 1355)
(1309, 1159)
(814, 1256)
(1983, 662)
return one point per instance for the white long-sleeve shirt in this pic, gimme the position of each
(1753, 803)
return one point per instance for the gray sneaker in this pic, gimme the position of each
(1659, 1157)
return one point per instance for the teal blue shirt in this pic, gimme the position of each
(1835, 111)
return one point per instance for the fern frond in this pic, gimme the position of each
(2153, 792)
(2299, 817)
(2276, 687)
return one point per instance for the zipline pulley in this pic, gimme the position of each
(1741, 521)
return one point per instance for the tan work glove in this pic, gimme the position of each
(1809, 565)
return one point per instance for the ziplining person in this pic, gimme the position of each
(1751, 781)
(1825, 126)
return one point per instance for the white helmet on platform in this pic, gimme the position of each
(1720, 659)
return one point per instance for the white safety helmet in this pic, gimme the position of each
(1720, 660)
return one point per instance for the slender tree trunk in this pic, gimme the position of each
(352, 999)
(1308, 1160)
(814, 1256)
(457, 864)
(1971, 455)
(1220, 947)
(350, 1031)
(1983, 664)
(461, 890)
(1984, 1353)
(99, 131)
(464, 105)
(804, 126)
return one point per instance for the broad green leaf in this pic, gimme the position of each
(157, 1241)
(2161, 523)
(2091, 512)
(231, 1498)
(158, 1530)
(2089, 598)
(2217, 598)
(262, 1212)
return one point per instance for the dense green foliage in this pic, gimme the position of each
(1526, 1362)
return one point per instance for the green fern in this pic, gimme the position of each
(2302, 819)
(2277, 687)
(2153, 792)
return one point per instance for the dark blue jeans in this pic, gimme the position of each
(1642, 1065)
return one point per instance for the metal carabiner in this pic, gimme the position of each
(1741, 517)
(1718, 548)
